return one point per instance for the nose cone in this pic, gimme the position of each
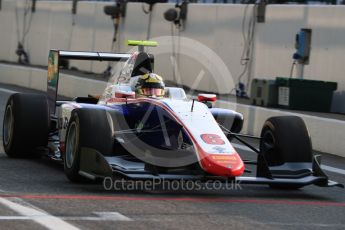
(229, 165)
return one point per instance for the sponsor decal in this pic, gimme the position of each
(226, 160)
(212, 139)
(219, 149)
(53, 68)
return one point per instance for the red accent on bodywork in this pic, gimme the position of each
(119, 100)
(207, 97)
(230, 165)
(62, 148)
(124, 94)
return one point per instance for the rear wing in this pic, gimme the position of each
(54, 60)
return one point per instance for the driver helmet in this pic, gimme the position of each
(150, 85)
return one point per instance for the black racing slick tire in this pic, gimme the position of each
(87, 128)
(285, 139)
(26, 124)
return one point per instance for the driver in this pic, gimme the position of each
(150, 85)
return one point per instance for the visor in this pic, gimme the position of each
(151, 92)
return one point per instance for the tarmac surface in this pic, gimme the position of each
(35, 194)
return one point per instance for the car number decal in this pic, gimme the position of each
(212, 139)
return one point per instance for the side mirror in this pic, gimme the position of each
(204, 97)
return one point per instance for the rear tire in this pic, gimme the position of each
(26, 124)
(285, 139)
(87, 128)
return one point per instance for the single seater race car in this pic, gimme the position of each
(152, 131)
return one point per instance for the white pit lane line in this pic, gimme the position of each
(30, 212)
(324, 167)
(39, 216)
(100, 216)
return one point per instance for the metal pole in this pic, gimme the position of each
(149, 25)
(299, 70)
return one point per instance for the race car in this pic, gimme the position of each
(140, 129)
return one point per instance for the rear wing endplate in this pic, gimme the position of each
(54, 59)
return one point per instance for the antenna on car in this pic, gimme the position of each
(192, 108)
(141, 44)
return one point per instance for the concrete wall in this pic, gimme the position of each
(274, 44)
(217, 26)
(35, 78)
(52, 28)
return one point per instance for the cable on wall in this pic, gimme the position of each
(29, 8)
(248, 32)
(116, 13)
(177, 17)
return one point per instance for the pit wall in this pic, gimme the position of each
(327, 134)
(217, 26)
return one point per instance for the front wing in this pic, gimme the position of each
(94, 165)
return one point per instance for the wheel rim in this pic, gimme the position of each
(268, 140)
(71, 144)
(8, 125)
(269, 148)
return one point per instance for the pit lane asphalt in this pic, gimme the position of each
(41, 184)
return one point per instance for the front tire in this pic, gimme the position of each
(26, 124)
(285, 139)
(87, 128)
